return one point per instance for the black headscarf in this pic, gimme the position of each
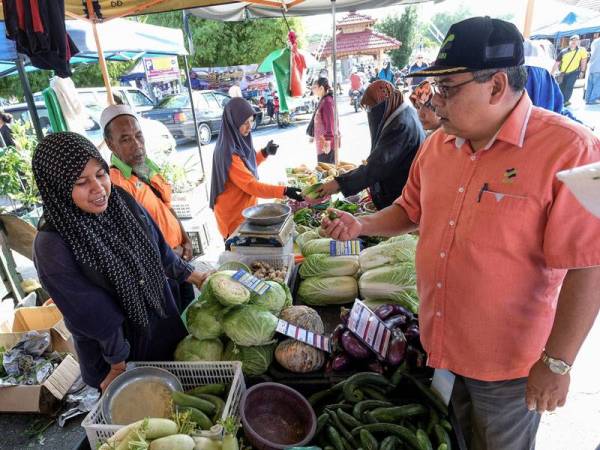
(231, 142)
(112, 243)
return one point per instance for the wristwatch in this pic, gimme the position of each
(557, 366)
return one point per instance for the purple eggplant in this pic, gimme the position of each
(387, 311)
(341, 362)
(397, 349)
(394, 322)
(415, 357)
(355, 348)
(336, 338)
(412, 334)
(376, 366)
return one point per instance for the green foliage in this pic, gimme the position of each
(16, 174)
(219, 43)
(403, 28)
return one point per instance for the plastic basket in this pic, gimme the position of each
(277, 261)
(190, 374)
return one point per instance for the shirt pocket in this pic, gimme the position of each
(500, 219)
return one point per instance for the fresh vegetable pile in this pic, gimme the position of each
(230, 323)
(266, 271)
(371, 412)
(303, 176)
(350, 353)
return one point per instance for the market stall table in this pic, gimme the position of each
(18, 432)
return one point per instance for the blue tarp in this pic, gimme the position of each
(573, 23)
(121, 39)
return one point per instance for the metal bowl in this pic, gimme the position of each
(266, 214)
(132, 376)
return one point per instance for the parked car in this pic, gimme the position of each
(159, 141)
(176, 113)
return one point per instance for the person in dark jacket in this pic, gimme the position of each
(396, 135)
(104, 262)
(5, 131)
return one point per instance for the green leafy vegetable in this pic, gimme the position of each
(192, 349)
(312, 191)
(328, 290)
(303, 238)
(274, 299)
(203, 320)
(397, 250)
(226, 290)
(328, 266)
(314, 246)
(396, 283)
(250, 325)
(255, 360)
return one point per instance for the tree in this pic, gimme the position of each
(219, 43)
(402, 28)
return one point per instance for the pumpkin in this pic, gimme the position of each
(303, 317)
(298, 357)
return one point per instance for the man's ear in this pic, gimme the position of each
(500, 87)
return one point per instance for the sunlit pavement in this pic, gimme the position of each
(573, 427)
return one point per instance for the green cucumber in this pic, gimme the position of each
(348, 419)
(322, 395)
(217, 401)
(321, 422)
(181, 399)
(337, 423)
(368, 441)
(396, 413)
(365, 405)
(423, 439)
(401, 432)
(353, 385)
(390, 443)
(434, 419)
(213, 389)
(334, 438)
(430, 395)
(444, 423)
(374, 393)
(399, 373)
(202, 420)
(442, 436)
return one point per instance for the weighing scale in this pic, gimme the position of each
(252, 235)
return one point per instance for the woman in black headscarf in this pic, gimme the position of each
(396, 135)
(235, 185)
(104, 262)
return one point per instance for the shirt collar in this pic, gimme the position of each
(127, 170)
(512, 130)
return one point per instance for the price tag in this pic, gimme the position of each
(344, 248)
(369, 328)
(251, 282)
(305, 336)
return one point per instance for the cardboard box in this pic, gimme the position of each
(44, 398)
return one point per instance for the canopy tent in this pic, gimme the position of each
(588, 4)
(572, 23)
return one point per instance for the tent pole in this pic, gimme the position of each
(29, 97)
(103, 68)
(336, 138)
(188, 78)
(528, 18)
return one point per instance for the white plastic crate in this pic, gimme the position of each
(190, 374)
(277, 262)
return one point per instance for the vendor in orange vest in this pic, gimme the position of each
(139, 176)
(235, 184)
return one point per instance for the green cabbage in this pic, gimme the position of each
(313, 246)
(226, 290)
(192, 349)
(329, 266)
(303, 238)
(202, 320)
(395, 283)
(274, 299)
(249, 325)
(328, 290)
(255, 360)
(396, 250)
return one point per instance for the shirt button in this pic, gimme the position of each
(452, 223)
(439, 285)
(473, 158)
(461, 189)
(438, 314)
(443, 255)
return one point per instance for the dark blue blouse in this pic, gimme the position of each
(101, 332)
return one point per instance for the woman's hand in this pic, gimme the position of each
(115, 370)
(187, 248)
(198, 278)
(294, 193)
(329, 188)
(344, 227)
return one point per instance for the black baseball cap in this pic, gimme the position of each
(475, 44)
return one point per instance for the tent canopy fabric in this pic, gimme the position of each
(572, 23)
(239, 11)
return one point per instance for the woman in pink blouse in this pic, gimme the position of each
(321, 127)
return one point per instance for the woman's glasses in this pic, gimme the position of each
(422, 95)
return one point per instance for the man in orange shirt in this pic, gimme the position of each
(507, 260)
(133, 171)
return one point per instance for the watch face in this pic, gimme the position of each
(558, 366)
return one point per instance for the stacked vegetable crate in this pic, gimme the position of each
(191, 375)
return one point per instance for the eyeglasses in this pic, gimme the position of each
(422, 95)
(447, 92)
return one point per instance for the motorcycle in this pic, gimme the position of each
(355, 97)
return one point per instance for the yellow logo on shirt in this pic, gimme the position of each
(509, 176)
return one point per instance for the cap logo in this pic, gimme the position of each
(446, 45)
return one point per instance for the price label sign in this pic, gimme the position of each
(251, 282)
(344, 248)
(305, 336)
(369, 328)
